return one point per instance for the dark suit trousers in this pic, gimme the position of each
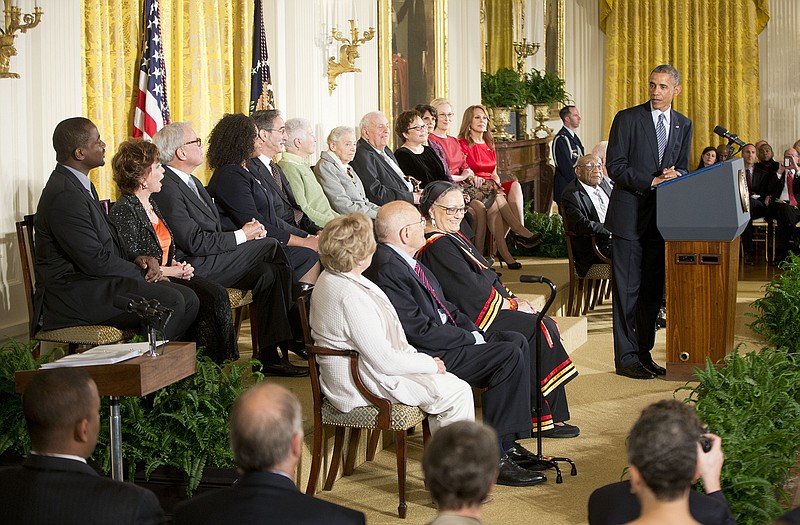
(638, 288)
(260, 266)
(787, 216)
(181, 300)
(502, 366)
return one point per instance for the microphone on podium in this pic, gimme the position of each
(725, 134)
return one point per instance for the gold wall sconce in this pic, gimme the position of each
(348, 53)
(13, 16)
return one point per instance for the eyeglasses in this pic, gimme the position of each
(452, 210)
(418, 128)
(197, 141)
(591, 166)
(446, 115)
(279, 130)
(420, 222)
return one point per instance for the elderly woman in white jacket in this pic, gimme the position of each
(348, 311)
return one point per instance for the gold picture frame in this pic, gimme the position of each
(553, 36)
(407, 55)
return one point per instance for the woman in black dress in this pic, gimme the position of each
(475, 288)
(415, 157)
(142, 230)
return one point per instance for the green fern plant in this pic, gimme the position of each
(554, 242)
(779, 310)
(753, 404)
(502, 89)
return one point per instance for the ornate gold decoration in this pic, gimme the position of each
(13, 15)
(541, 113)
(348, 53)
(522, 49)
(500, 119)
(744, 192)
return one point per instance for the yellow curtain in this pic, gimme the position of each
(714, 45)
(499, 34)
(207, 49)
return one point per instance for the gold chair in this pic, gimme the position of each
(239, 300)
(74, 337)
(381, 415)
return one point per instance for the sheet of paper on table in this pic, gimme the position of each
(104, 355)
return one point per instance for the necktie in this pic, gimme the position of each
(297, 214)
(749, 181)
(789, 184)
(601, 212)
(421, 274)
(661, 137)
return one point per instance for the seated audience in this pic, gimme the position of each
(272, 133)
(499, 363)
(55, 485)
(415, 158)
(460, 470)
(81, 266)
(585, 201)
(350, 312)
(243, 259)
(377, 166)
(758, 202)
(300, 144)
(785, 205)
(723, 153)
(600, 151)
(266, 439)
(138, 174)
(476, 290)
(766, 165)
(339, 181)
(478, 145)
(708, 157)
(241, 194)
(428, 114)
(665, 458)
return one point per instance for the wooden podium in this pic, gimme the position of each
(701, 216)
(135, 377)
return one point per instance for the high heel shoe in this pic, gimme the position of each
(526, 242)
(516, 265)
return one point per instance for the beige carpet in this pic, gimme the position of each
(602, 404)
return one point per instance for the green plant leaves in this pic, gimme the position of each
(779, 318)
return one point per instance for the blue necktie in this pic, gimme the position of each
(661, 137)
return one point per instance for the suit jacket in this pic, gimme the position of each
(614, 505)
(345, 193)
(80, 264)
(195, 221)
(284, 200)
(567, 149)
(416, 308)
(136, 232)
(381, 182)
(46, 490)
(240, 196)
(632, 163)
(582, 219)
(262, 498)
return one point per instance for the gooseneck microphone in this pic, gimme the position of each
(725, 134)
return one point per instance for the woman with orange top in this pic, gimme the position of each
(142, 230)
(478, 146)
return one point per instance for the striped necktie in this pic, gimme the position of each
(661, 136)
(421, 274)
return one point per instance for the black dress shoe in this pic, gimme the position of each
(637, 371)
(562, 431)
(524, 458)
(512, 475)
(653, 367)
(284, 369)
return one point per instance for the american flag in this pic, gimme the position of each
(260, 79)
(152, 109)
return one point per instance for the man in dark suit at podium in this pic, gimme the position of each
(55, 485)
(648, 145)
(267, 442)
(585, 202)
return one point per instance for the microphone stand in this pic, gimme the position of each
(154, 316)
(544, 462)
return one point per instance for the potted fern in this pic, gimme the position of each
(502, 92)
(543, 89)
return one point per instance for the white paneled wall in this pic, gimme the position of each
(779, 64)
(49, 62)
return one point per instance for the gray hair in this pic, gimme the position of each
(338, 132)
(264, 118)
(369, 117)
(169, 139)
(263, 423)
(297, 128)
(666, 68)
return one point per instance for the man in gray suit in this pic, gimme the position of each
(55, 485)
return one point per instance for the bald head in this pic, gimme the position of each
(266, 429)
(400, 224)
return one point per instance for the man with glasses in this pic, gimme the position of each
(244, 259)
(585, 201)
(499, 362)
(376, 165)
